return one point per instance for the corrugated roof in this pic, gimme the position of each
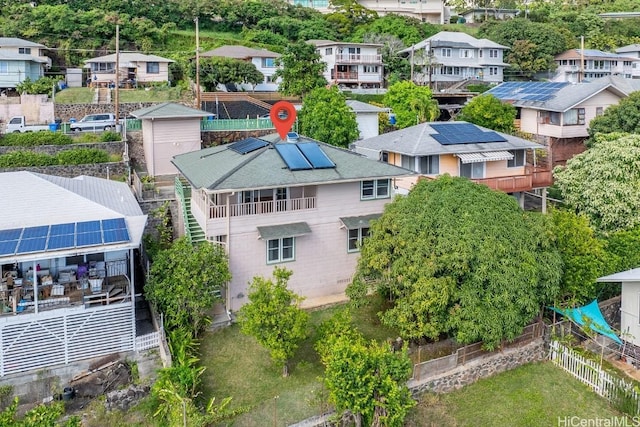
(168, 110)
(239, 52)
(220, 168)
(16, 42)
(418, 141)
(129, 57)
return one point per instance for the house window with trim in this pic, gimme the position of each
(356, 237)
(574, 116)
(268, 63)
(518, 159)
(430, 165)
(375, 189)
(370, 68)
(599, 111)
(280, 250)
(480, 53)
(24, 50)
(408, 162)
(4, 67)
(466, 53)
(446, 52)
(328, 51)
(493, 53)
(472, 170)
(493, 71)
(153, 68)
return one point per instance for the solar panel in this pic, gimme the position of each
(89, 239)
(293, 157)
(527, 91)
(315, 156)
(13, 234)
(112, 224)
(31, 232)
(463, 133)
(37, 244)
(248, 145)
(8, 247)
(87, 226)
(63, 241)
(58, 229)
(115, 236)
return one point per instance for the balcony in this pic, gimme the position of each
(533, 177)
(346, 76)
(356, 58)
(262, 207)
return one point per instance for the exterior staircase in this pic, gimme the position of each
(192, 229)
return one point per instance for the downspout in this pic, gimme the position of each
(35, 287)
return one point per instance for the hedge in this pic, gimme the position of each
(78, 156)
(31, 139)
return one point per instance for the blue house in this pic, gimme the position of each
(21, 59)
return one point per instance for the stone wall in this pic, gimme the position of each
(471, 372)
(52, 150)
(124, 399)
(611, 311)
(78, 111)
(210, 139)
(100, 170)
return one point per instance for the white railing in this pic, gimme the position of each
(591, 373)
(64, 336)
(356, 58)
(145, 342)
(266, 207)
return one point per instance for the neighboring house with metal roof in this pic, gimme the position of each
(352, 65)
(299, 204)
(133, 69)
(577, 65)
(67, 249)
(495, 159)
(451, 57)
(558, 114)
(21, 59)
(264, 61)
(632, 51)
(168, 129)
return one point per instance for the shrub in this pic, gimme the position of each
(32, 139)
(110, 136)
(26, 158)
(82, 156)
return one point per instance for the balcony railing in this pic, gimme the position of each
(533, 178)
(346, 76)
(355, 58)
(261, 208)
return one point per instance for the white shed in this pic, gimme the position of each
(629, 303)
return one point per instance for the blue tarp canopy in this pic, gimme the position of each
(591, 316)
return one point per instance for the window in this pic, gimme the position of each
(219, 239)
(472, 170)
(328, 51)
(268, 63)
(430, 165)
(356, 237)
(408, 162)
(599, 111)
(24, 50)
(153, 67)
(518, 159)
(446, 52)
(493, 71)
(466, 53)
(374, 189)
(280, 250)
(370, 68)
(4, 67)
(385, 157)
(574, 117)
(493, 53)
(480, 53)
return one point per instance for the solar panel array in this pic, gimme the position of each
(248, 145)
(463, 133)
(527, 91)
(304, 156)
(63, 236)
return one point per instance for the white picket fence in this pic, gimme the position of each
(590, 373)
(145, 342)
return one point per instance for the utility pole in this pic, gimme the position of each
(581, 75)
(197, 63)
(117, 88)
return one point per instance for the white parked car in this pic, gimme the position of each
(95, 122)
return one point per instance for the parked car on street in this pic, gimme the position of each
(94, 122)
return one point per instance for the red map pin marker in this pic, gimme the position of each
(283, 114)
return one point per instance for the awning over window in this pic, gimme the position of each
(294, 229)
(353, 222)
(488, 156)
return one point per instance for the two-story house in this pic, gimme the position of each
(577, 65)
(298, 203)
(632, 51)
(557, 114)
(264, 61)
(451, 57)
(501, 161)
(133, 69)
(431, 11)
(19, 60)
(354, 65)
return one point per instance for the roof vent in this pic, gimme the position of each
(293, 137)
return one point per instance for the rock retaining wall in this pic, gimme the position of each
(100, 170)
(52, 150)
(481, 368)
(78, 111)
(126, 398)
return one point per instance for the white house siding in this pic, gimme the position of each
(164, 139)
(367, 125)
(144, 77)
(322, 265)
(629, 312)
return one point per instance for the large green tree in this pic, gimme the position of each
(488, 111)
(457, 257)
(623, 117)
(366, 378)
(603, 182)
(325, 116)
(273, 317)
(411, 104)
(218, 70)
(300, 69)
(185, 281)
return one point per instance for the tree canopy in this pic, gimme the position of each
(325, 116)
(488, 111)
(273, 316)
(456, 257)
(411, 104)
(301, 70)
(185, 281)
(623, 117)
(218, 70)
(603, 182)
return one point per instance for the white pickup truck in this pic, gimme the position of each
(19, 124)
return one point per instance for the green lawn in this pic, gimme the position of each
(531, 395)
(83, 95)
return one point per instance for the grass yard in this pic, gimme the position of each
(83, 95)
(531, 395)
